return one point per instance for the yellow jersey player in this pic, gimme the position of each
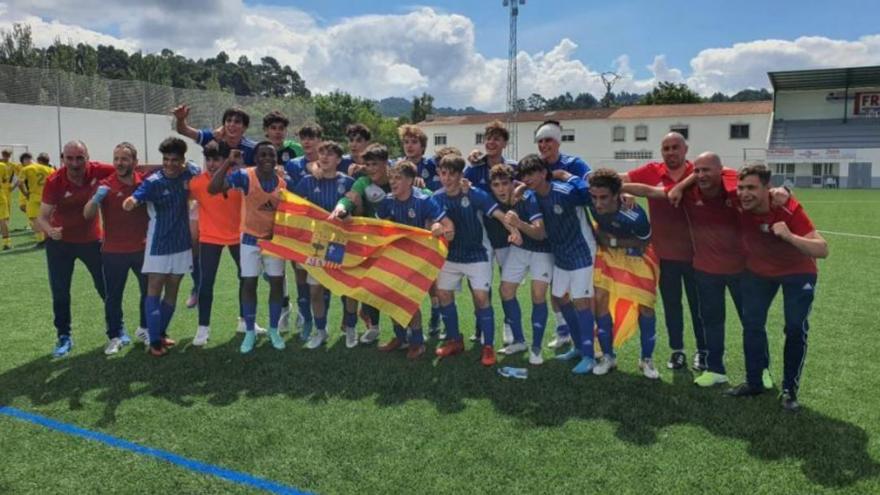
(31, 180)
(6, 175)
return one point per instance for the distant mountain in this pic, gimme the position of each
(401, 107)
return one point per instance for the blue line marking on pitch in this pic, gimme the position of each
(196, 466)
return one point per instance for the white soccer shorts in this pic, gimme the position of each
(520, 262)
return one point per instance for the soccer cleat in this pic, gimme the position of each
(391, 345)
(63, 346)
(433, 331)
(242, 327)
(766, 379)
(284, 320)
(507, 335)
(648, 369)
(676, 361)
(572, 353)
(157, 351)
(370, 336)
(143, 335)
(476, 338)
(487, 356)
(113, 346)
(789, 401)
(414, 352)
(124, 338)
(202, 335)
(193, 300)
(535, 357)
(518, 373)
(276, 339)
(710, 379)
(166, 342)
(514, 348)
(700, 361)
(450, 348)
(559, 341)
(317, 339)
(585, 366)
(247, 344)
(604, 365)
(351, 337)
(441, 335)
(744, 390)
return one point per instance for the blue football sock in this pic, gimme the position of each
(349, 319)
(513, 317)
(450, 321)
(250, 315)
(400, 332)
(321, 323)
(562, 327)
(274, 314)
(606, 334)
(571, 319)
(435, 317)
(539, 323)
(486, 325)
(154, 318)
(648, 335)
(302, 301)
(167, 311)
(587, 322)
(416, 336)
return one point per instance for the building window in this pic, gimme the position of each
(739, 131)
(567, 136)
(785, 168)
(478, 139)
(439, 139)
(641, 133)
(618, 133)
(681, 129)
(633, 155)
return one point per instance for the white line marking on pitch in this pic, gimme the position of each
(850, 235)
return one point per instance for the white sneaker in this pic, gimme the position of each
(535, 358)
(242, 327)
(605, 364)
(559, 341)
(284, 320)
(317, 339)
(370, 335)
(202, 334)
(514, 348)
(143, 335)
(648, 369)
(113, 346)
(507, 335)
(351, 337)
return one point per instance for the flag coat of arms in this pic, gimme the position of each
(384, 264)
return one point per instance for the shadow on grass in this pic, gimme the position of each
(832, 453)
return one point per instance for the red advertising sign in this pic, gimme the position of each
(867, 103)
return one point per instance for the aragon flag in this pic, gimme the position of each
(630, 281)
(384, 264)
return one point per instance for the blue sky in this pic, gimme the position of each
(641, 28)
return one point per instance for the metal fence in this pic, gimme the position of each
(50, 87)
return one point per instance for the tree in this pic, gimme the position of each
(422, 107)
(17, 47)
(669, 93)
(536, 103)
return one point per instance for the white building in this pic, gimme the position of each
(821, 130)
(826, 128)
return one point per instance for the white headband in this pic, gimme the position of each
(549, 131)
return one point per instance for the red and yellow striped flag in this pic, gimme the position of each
(630, 281)
(384, 264)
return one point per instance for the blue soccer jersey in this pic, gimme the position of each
(324, 192)
(427, 170)
(467, 211)
(345, 163)
(625, 224)
(418, 210)
(565, 220)
(496, 231)
(246, 145)
(478, 173)
(294, 171)
(166, 200)
(571, 164)
(528, 210)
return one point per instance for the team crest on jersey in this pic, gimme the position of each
(411, 213)
(616, 225)
(340, 188)
(465, 202)
(765, 227)
(425, 173)
(557, 209)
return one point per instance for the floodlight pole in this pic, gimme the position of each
(512, 98)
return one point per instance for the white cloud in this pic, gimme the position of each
(423, 49)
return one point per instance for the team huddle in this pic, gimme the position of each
(570, 230)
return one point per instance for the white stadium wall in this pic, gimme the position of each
(37, 128)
